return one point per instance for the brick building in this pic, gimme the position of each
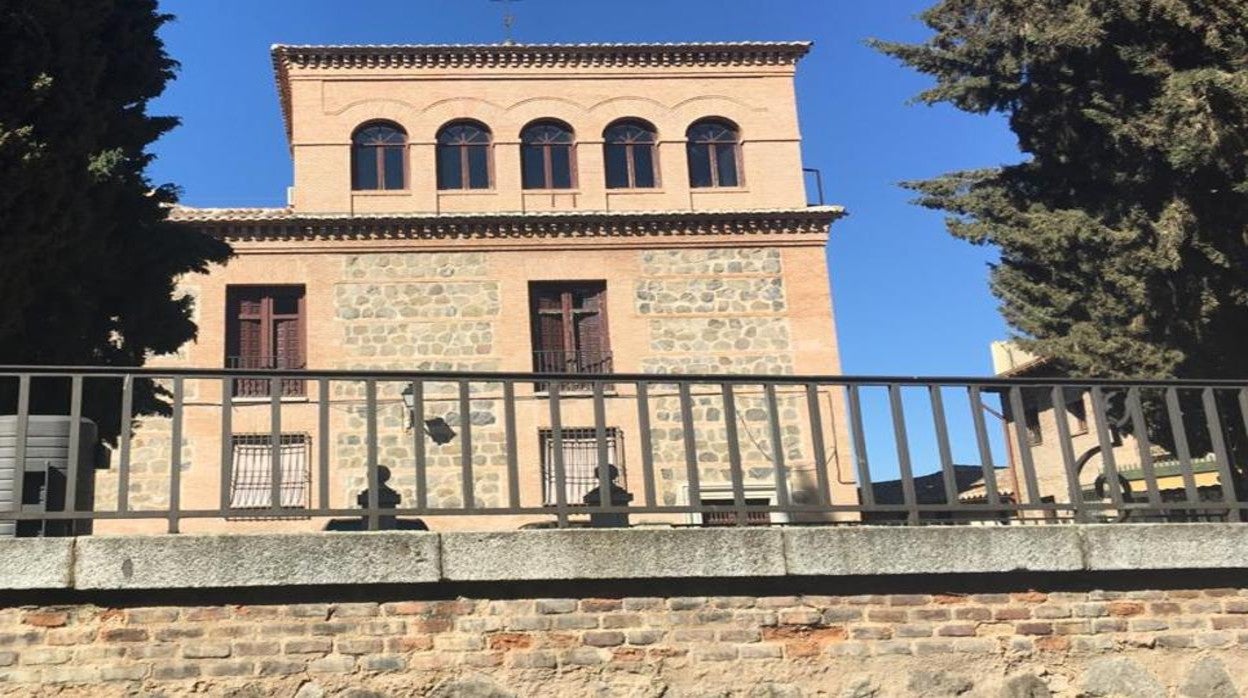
(566, 208)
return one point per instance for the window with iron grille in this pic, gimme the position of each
(729, 518)
(251, 474)
(580, 462)
(265, 328)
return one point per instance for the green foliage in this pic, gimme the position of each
(1124, 235)
(88, 262)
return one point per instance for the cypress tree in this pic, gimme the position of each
(88, 262)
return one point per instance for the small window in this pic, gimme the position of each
(569, 327)
(546, 156)
(251, 473)
(265, 330)
(714, 154)
(628, 150)
(464, 156)
(1077, 413)
(580, 462)
(1035, 435)
(379, 158)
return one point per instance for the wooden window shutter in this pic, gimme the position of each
(591, 332)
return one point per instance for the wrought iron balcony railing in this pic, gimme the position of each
(261, 387)
(702, 449)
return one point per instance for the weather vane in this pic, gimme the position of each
(508, 20)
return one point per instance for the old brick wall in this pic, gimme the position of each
(1189, 642)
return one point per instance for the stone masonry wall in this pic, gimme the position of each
(1191, 643)
(720, 311)
(414, 312)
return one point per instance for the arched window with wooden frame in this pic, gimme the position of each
(464, 160)
(628, 148)
(714, 148)
(379, 157)
(547, 157)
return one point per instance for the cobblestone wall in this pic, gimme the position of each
(417, 312)
(150, 452)
(718, 311)
(1191, 643)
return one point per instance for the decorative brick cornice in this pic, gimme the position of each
(285, 224)
(508, 56)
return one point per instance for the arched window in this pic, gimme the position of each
(546, 157)
(378, 157)
(628, 149)
(714, 154)
(464, 156)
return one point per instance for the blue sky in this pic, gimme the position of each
(910, 299)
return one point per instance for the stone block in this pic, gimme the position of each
(36, 563)
(1165, 546)
(207, 561)
(612, 554)
(871, 550)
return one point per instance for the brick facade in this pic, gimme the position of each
(1025, 643)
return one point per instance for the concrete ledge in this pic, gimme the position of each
(613, 554)
(206, 561)
(1165, 546)
(36, 563)
(308, 559)
(932, 550)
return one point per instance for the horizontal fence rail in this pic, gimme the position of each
(86, 450)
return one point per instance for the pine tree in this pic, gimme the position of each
(1124, 233)
(88, 262)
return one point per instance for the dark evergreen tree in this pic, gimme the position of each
(88, 262)
(1124, 233)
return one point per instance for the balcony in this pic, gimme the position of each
(486, 451)
(571, 362)
(263, 387)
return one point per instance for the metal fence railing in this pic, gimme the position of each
(180, 447)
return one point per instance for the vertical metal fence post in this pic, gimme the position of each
(866, 490)
(816, 442)
(227, 444)
(175, 457)
(1178, 431)
(19, 448)
(903, 453)
(467, 484)
(418, 444)
(1057, 397)
(1140, 430)
(1108, 468)
(950, 478)
(370, 439)
(777, 446)
(734, 454)
(1024, 446)
(509, 435)
(275, 445)
(322, 443)
(123, 436)
(556, 445)
(693, 479)
(647, 442)
(75, 448)
(1214, 422)
(600, 441)
(991, 492)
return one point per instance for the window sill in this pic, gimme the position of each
(381, 192)
(719, 190)
(551, 191)
(565, 394)
(467, 192)
(636, 190)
